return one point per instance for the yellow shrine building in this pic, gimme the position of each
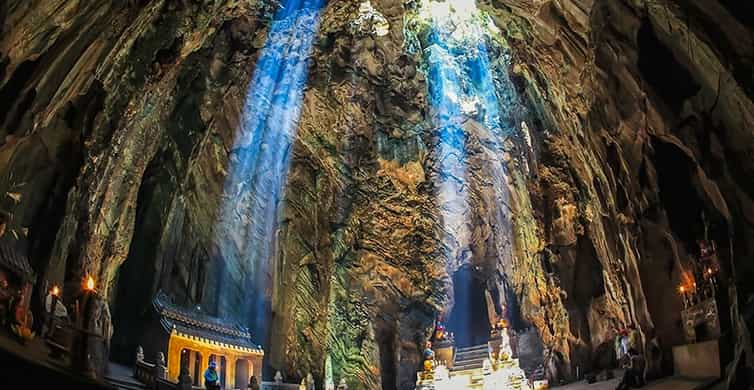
(193, 339)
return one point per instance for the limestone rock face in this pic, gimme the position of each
(628, 136)
(644, 112)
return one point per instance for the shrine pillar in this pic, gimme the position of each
(230, 371)
(192, 366)
(174, 359)
(204, 363)
(255, 364)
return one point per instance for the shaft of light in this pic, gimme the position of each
(260, 161)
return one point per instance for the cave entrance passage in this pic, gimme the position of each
(469, 319)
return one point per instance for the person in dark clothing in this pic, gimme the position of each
(633, 362)
(211, 379)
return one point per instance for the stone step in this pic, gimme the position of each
(472, 353)
(125, 383)
(461, 354)
(480, 347)
(469, 358)
(468, 362)
(466, 367)
(469, 365)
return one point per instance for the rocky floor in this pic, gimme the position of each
(30, 368)
(662, 384)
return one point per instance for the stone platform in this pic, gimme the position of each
(698, 360)
(29, 367)
(674, 383)
(472, 369)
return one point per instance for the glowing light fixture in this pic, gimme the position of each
(89, 284)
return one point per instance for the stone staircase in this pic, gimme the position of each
(469, 372)
(470, 358)
(122, 383)
(467, 366)
(121, 377)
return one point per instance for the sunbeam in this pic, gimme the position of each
(471, 122)
(260, 159)
(461, 88)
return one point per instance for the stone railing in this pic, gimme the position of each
(307, 383)
(278, 386)
(150, 374)
(154, 376)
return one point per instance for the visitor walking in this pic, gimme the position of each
(634, 375)
(211, 379)
(253, 384)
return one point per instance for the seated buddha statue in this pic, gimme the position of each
(429, 358)
(440, 332)
(429, 354)
(506, 352)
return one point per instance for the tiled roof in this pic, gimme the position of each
(14, 261)
(192, 322)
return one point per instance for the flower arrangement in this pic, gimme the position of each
(23, 332)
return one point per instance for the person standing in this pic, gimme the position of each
(211, 379)
(622, 344)
(634, 374)
(253, 384)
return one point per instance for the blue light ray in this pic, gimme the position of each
(462, 87)
(445, 95)
(260, 161)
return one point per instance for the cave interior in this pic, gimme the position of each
(377, 194)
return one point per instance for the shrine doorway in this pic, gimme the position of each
(242, 373)
(185, 359)
(469, 320)
(221, 368)
(197, 371)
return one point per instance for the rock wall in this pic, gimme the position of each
(120, 121)
(129, 110)
(646, 113)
